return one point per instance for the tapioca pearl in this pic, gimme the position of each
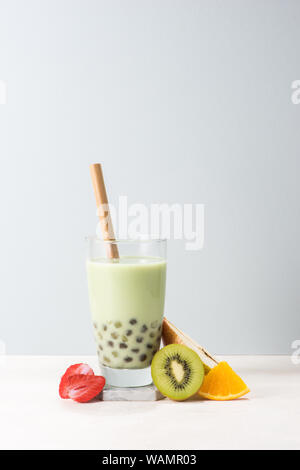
(128, 332)
(128, 359)
(135, 350)
(106, 359)
(149, 346)
(118, 324)
(110, 343)
(143, 357)
(115, 354)
(154, 324)
(123, 346)
(144, 328)
(124, 339)
(139, 339)
(133, 321)
(114, 335)
(152, 334)
(100, 347)
(104, 327)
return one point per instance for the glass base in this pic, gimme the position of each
(126, 377)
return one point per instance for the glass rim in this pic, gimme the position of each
(125, 240)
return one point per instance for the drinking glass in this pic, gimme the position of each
(127, 296)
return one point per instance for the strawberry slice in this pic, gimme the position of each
(81, 368)
(83, 388)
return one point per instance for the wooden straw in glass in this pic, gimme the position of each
(103, 210)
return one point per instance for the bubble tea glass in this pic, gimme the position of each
(127, 296)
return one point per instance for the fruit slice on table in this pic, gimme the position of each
(172, 335)
(177, 371)
(222, 383)
(83, 388)
(81, 368)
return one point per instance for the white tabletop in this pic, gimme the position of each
(32, 416)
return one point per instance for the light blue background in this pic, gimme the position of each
(182, 101)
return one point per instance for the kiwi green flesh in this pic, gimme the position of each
(177, 371)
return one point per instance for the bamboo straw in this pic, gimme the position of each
(103, 209)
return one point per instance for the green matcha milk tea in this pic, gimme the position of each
(127, 297)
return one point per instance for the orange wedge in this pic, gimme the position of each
(222, 383)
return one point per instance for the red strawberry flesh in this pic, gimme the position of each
(83, 388)
(75, 369)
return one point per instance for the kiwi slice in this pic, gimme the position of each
(177, 371)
